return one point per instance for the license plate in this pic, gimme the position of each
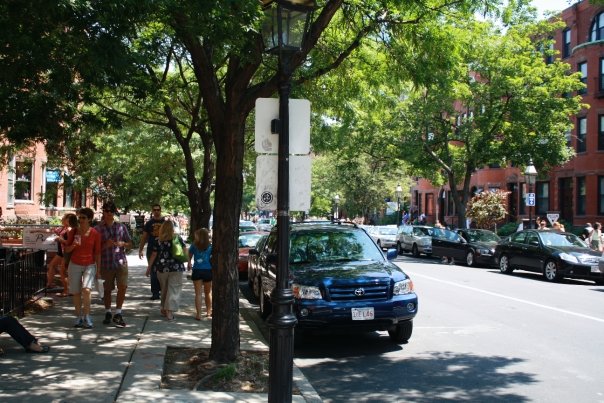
(595, 269)
(363, 314)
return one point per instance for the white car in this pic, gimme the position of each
(384, 235)
(264, 224)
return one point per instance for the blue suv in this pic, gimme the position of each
(340, 280)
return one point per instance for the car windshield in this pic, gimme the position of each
(249, 240)
(387, 230)
(329, 246)
(483, 236)
(551, 238)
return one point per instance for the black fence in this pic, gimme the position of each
(22, 278)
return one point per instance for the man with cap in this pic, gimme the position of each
(115, 239)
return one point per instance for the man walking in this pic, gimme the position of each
(115, 239)
(150, 235)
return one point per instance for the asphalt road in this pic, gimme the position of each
(480, 336)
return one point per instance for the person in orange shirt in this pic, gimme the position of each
(85, 247)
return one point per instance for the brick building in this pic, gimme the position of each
(30, 189)
(575, 190)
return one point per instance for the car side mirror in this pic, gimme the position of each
(462, 241)
(391, 254)
(254, 251)
(534, 243)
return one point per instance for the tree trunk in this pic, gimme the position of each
(225, 284)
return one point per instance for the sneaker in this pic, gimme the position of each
(87, 322)
(118, 320)
(107, 319)
(79, 322)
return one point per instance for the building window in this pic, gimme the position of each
(600, 195)
(23, 180)
(566, 43)
(53, 177)
(582, 68)
(581, 134)
(549, 58)
(601, 132)
(542, 198)
(597, 28)
(581, 195)
(601, 84)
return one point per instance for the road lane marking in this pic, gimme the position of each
(580, 315)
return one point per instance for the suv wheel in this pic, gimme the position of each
(550, 271)
(399, 247)
(265, 303)
(402, 332)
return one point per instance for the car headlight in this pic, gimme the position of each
(403, 287)
(568, 257)
(306, 292)
(485, 252)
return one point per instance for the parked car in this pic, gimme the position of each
(253, 267)
(246, 241)
(471, 246)
(247, 226)
(383, 235)
(416, 239)
(265, 224)
(340, 280)
(555, 254)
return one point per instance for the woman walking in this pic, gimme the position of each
(56, 264)
(169, 270)
(85, 247)
(201, 252)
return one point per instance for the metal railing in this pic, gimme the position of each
(22, 278)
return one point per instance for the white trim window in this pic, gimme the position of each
(23, 176)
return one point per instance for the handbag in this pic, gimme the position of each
(178, 252)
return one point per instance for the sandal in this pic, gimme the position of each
(198, 318)
(162, 312)
(44, 350)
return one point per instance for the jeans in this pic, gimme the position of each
(12, 326)
(155, 287)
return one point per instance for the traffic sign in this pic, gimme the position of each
(267, 142)
(553, 217)
(299, 182)
(530, 199)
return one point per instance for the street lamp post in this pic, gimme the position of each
(285, 29)
(398, 193)
(530, 176)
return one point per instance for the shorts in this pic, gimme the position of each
(113, 276)
(81, 277)
(198, 274)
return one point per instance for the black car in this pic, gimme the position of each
(471, 246)
(340, 280)
(480, 247)
(555, 254)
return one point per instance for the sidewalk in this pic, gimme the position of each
(108, 364)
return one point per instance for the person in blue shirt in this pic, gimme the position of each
(201, 252)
